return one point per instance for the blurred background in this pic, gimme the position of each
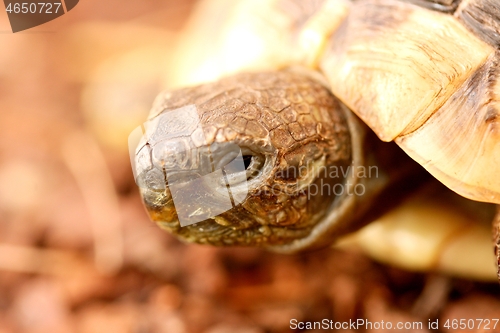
(77, 250)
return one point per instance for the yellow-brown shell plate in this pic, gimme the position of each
(428, 80)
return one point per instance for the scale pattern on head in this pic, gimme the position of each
(289, 126)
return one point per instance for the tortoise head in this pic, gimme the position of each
(253, 159)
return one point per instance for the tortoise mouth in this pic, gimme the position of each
(233, 226)
(202, 202)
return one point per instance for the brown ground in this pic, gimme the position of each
(77, 251)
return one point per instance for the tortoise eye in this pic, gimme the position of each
(253, 164)
(247, 160)
(248, 166)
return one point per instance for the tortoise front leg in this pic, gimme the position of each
(435, 230)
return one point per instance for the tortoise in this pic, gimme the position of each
(388, 86)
